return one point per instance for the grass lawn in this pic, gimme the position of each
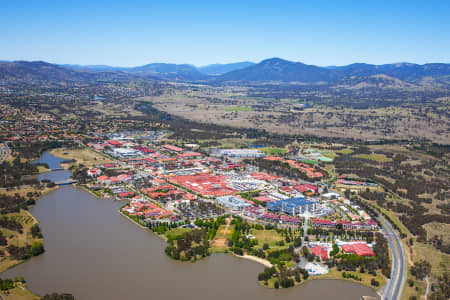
(345, 151)
(83, 156)
(273, 150)
(239, 108)
(222, 233)
(270, 237)
(173, 233)
(366, 278)
(374, 157)
(331, 155)
(42, 169)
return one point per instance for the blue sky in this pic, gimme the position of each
(131, 33)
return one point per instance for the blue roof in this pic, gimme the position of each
(288, 204)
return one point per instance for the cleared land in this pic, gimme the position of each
(82, 156)
(271, 237)
(234, 107)
(374, 157)
(223, 235)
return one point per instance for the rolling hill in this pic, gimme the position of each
(43, 71)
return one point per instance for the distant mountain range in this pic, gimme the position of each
(219, 69)
(276, 69)
(171, 71)
(269, 70)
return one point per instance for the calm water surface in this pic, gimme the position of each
(95, 253)
(53, 162)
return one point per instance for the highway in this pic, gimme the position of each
(394, 288)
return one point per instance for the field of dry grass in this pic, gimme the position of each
(83, 156)
(439, 229)
(230, 106)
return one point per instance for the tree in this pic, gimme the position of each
(37, 248)
(305, 275)
(421, 269)
(55, 296)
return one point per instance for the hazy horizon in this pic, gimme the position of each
(211, 64)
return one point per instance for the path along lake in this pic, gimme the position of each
(95, 253)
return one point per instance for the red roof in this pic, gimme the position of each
(264, 176)
(115, 143)
(125, 194)
(189, 154)
(306, 187)
(109, 165)
(263, 199)
(205, 184)
(173, 148)
(321, 221)
(271, 216)
(273, 158)
(320, 251)
(359, 249)
(144, 149)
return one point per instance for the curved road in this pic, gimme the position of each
(394, 288)
(4, 152)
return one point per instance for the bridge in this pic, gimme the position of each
(66, 182)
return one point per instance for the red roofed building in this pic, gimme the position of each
(273, 158)
(173, 148)
(94, 172)
(306, 187)
(143, 149)
(264, 199)
(359, 249)
(264, 176)
(125, 194)
(205, 184)
(322, 223)
(322, 252)
(190, 154)
(115, 143)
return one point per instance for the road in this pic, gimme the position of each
(394, 288)
(4, 152)
(305, 225)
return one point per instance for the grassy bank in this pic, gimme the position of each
(16, 238)
(84, 156)
(19, 292)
